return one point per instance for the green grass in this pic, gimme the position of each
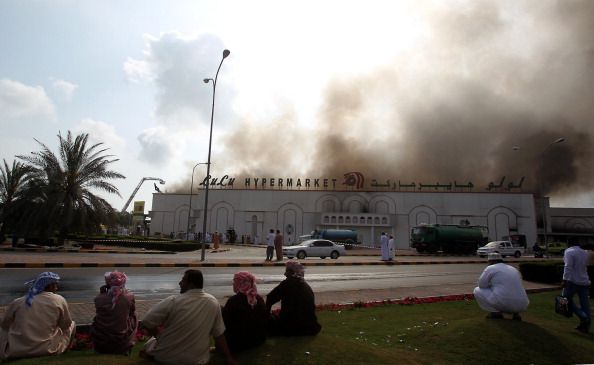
(439, 333)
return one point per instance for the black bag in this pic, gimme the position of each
(562, 306)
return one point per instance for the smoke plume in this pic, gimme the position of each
(486, 94)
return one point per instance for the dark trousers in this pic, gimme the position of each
(269, 253)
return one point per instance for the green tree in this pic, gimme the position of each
(13, 195)
(65, 184)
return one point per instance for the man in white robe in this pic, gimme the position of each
(38, 323)
(391, 248)
(384, 247)
(500, 289)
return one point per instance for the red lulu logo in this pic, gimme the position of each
(354, 179)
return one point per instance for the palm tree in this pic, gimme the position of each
(13, 195)
(66, 202)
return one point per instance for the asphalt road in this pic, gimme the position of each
(80, 285)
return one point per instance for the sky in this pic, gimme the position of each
(420, 90)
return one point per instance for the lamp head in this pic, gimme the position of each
(226, 53)
(206, 81)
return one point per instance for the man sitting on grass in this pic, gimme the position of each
(187, 321)
(38, 323)
(500, 289)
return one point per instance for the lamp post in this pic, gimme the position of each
(191, 187)
(543, 210)
(207, 180)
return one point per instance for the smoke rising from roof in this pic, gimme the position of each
(488, 76)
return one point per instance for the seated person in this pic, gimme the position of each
(38, 323)
(114, 326)
(182, 325)
(298, 309)
(500, 289)
(245, 314)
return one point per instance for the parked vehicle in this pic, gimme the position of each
(505, 248)
(448, 238)
(317, 248)
(516, 239)
(557, 248)
(347, 236)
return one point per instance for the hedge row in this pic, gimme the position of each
(147, 245)
(543, 272)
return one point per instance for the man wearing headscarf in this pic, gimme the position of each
(115, 323)
(297, 315)
(38, 323)
(245, 314)
(500, 289)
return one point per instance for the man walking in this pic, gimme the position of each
(270, 245)
(188, 320)
(278, 245)
(576, 281)
(500, 289)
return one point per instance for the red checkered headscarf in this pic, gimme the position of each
(116, 281)
(245, 283)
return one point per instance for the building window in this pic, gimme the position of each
(340, 219)
(347, 220)
(384, 220)
(376, 220)
(326, 219)
(333, 219)
(355, 220)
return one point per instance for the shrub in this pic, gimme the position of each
(542, 272)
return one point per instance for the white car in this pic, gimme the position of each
(319, 248)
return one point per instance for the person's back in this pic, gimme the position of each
(38, 323)
(506, 283)
(115, 323)
(187, 321)
(297, 315)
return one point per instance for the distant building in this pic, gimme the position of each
(253, 211)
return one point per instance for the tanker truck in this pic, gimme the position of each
(346, 236)
(448, 238)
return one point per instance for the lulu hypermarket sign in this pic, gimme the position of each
(352, 181)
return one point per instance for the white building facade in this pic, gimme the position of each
(253, 211)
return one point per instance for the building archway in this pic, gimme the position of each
(501, 221)
(290, 222)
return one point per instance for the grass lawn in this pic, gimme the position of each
(438, 333)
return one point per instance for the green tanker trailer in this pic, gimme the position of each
(447, 238)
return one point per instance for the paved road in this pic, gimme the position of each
(81, 285)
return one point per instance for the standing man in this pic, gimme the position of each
(38, 323)
(278, 245)
(384, 247)
(216, 240)
(270, 245)
(391, 248)
(500, 290)
(188, 320)
(576, 281)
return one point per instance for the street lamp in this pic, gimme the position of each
(543, 211)
(191, 187)
(207, 180)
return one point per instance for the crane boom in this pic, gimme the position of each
(161, 181)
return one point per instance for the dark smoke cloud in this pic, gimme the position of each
(488, 78)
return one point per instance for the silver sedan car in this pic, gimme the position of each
(316, 248)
